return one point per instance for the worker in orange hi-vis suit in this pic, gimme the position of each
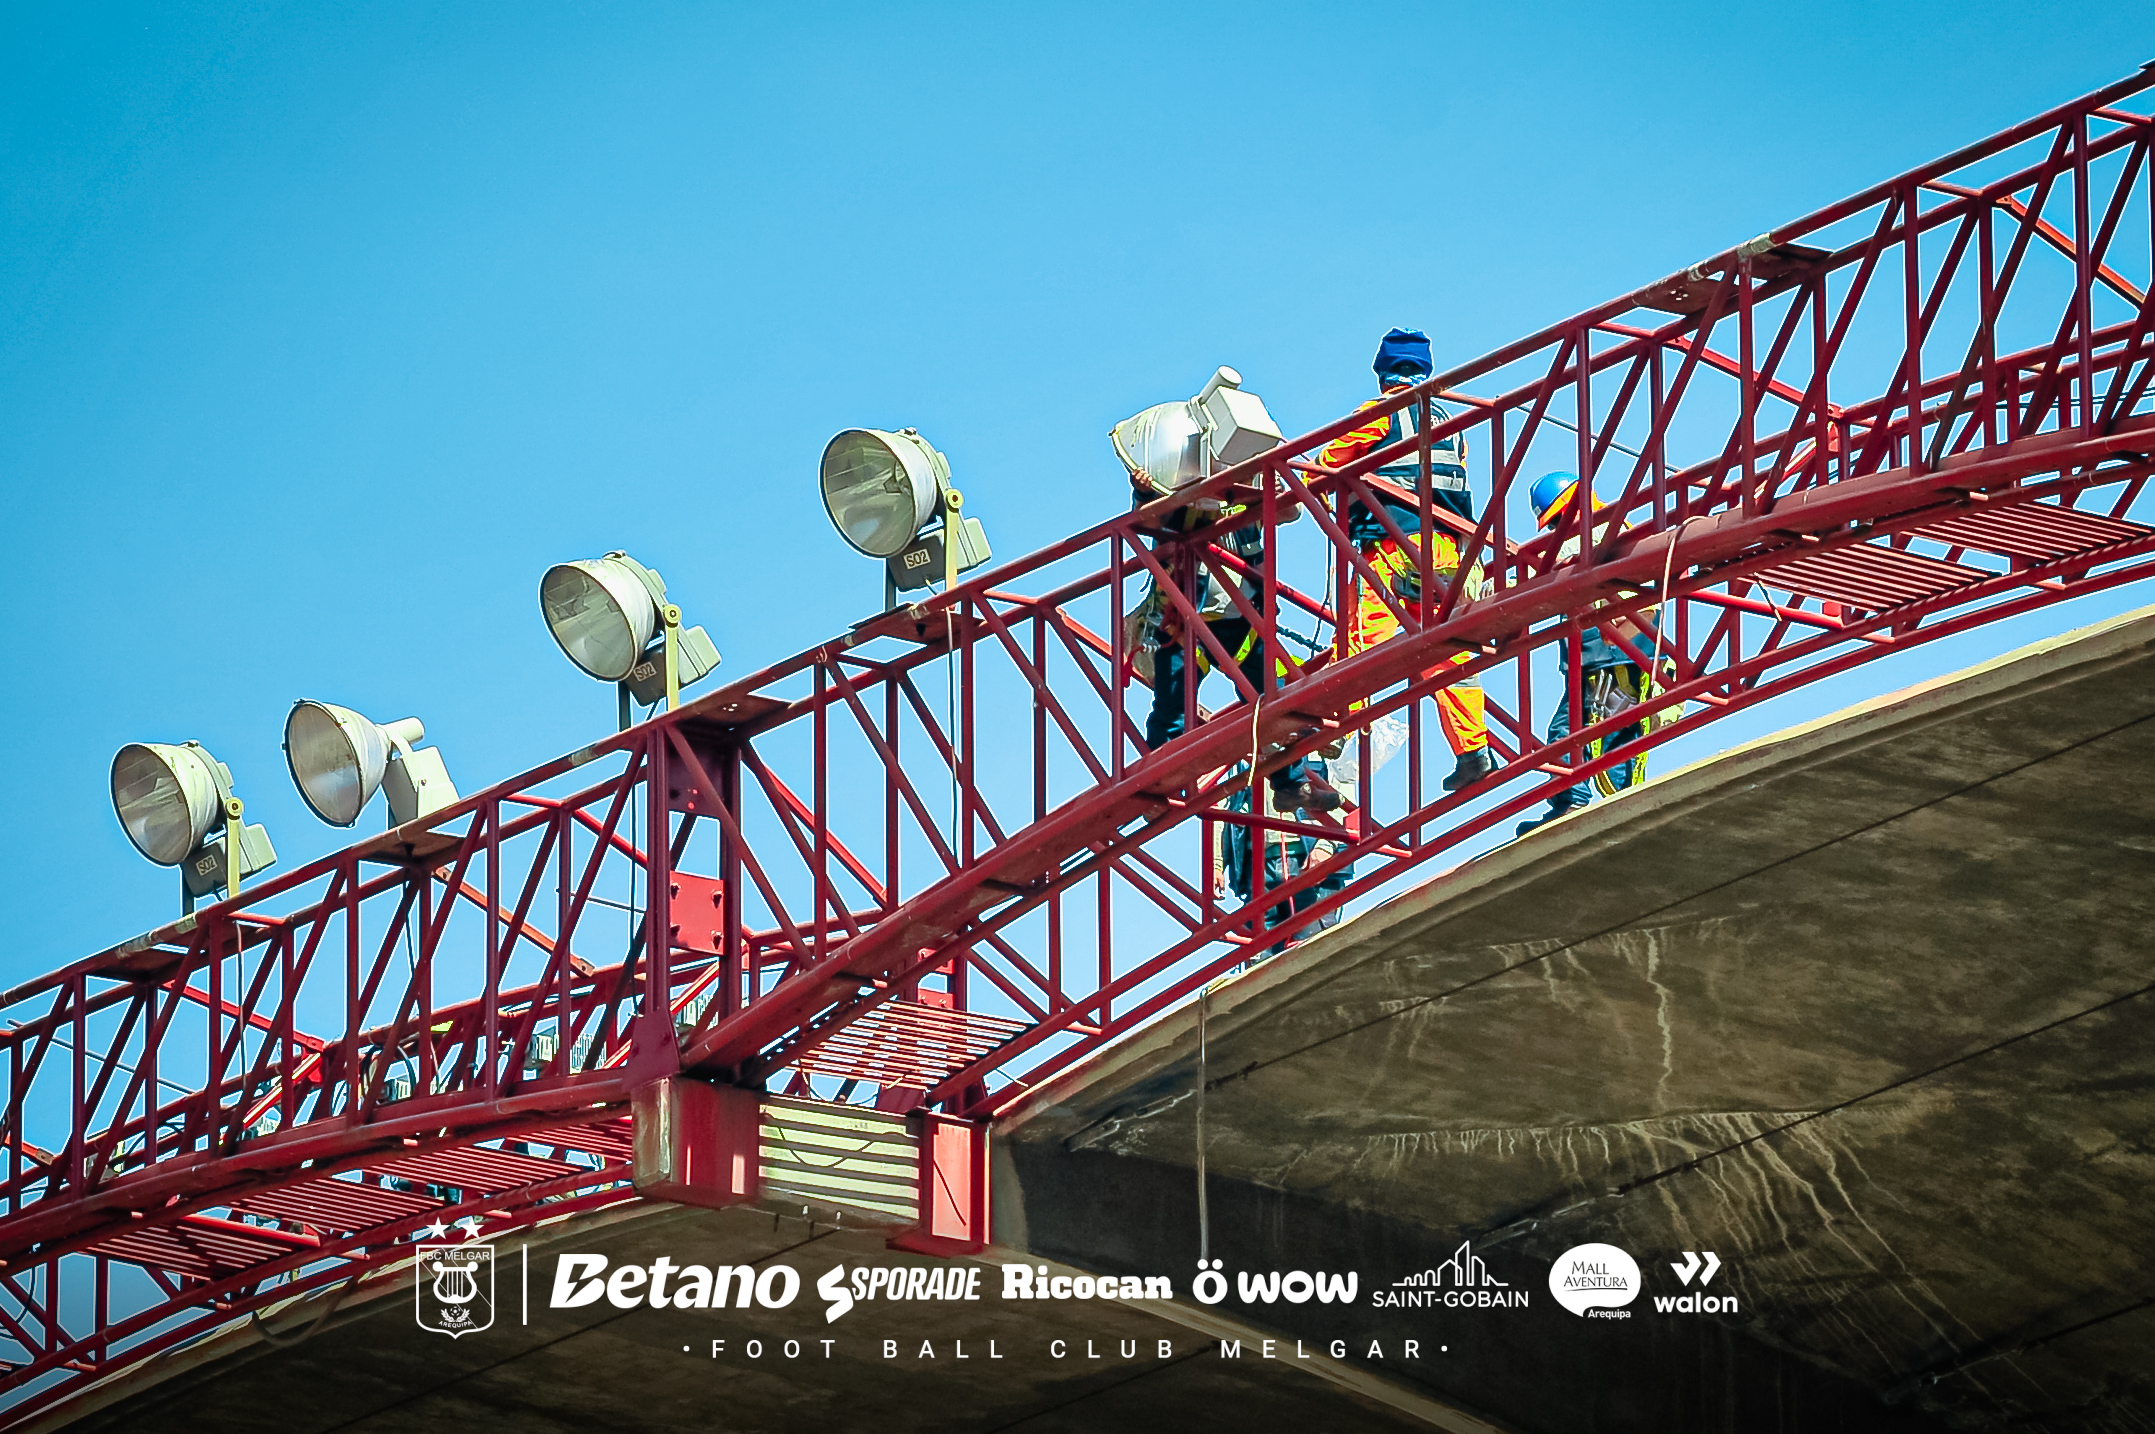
(1402, 361)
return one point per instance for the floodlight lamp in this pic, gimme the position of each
(1163, 447)
(603, 612)
(339, 759)
(169, 798)
(889, 496)
(1172, 445)
(882, 488)
(612, 618)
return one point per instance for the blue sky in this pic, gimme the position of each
(324, 330)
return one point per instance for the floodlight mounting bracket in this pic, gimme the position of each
(953, 527)
(671, 612)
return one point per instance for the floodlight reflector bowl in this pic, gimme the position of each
(1163, 447)
(879, 488)
(600, 613)
(166, 797)
(337, 759)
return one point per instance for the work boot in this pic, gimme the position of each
(1311, 794)
(1558, 808)
(1473, 766)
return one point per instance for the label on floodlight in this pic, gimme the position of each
(922, 563)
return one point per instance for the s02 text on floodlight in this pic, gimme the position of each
(882, 490)
(1172, 445)
(606, 612)
(340, 759)
(169, 799)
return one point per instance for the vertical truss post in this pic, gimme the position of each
(1747, 387)
(654, 1050)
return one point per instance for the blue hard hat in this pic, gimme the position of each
(1403, 357)
(1551, 491)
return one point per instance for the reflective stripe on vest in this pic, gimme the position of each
(1447, 461)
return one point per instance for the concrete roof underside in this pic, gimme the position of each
(1864, 1008)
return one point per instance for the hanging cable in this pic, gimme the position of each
(950, 718)
(286, 1341)
(1661, 598)
(1204, 1211)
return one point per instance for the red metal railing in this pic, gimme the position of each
(1918, 411)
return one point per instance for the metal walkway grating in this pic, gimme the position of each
(2038, 532)
(902, 1043)
(1869, 576)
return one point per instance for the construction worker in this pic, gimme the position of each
(1403, 361)
(1610, 682)
(1286, 855)
(1300, 785)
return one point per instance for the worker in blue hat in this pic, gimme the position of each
(1403, 361)
(1610, 681)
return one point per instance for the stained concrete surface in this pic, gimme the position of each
(1865, 1009)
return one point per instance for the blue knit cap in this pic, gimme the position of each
(1403, 357)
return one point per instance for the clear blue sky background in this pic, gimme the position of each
(323, 330)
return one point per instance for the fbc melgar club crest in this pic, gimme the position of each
(456, 1288)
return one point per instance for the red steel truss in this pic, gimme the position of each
(934, 855)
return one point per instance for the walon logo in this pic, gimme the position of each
(1699, 1302)
(455, 1288)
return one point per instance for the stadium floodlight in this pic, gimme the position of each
(883, 490)
(1172, 445)
(169, 799)
(339, 760)
(611, 617)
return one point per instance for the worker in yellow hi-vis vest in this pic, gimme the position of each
(1402, 361)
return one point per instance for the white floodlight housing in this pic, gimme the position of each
(882, 488)
(602, 612)
(1172, 445)
(1237, 425)
(1163, 447)
(605, 613)
(169, 798)
(339, 760)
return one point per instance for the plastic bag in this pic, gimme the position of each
(1387, 735)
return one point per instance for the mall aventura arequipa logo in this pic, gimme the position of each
(1462, 1282)
(1595, 1281)
(456, 1288)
